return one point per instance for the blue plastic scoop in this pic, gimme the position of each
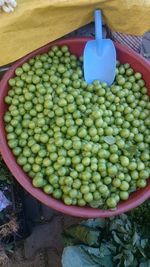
(99, 56)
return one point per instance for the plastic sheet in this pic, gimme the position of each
(4, 202)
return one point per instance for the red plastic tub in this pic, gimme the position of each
(76, 46)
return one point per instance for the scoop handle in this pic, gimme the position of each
(98, 24)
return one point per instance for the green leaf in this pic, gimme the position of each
(130, 151)
(124, 237)
(118, 256)
(83, 234)
(141, 250)
(105, 256)
(110, 140)
(94, 223)
(9, 247)
(132, 189)
(87, 257)
(112, 247)
(146, 263)
(128, 259)
(117, 239)
(76, 256)
(97, 203)
(3, 178)
(144, 242)
(69, 241)
(136, 238)
(94, 253)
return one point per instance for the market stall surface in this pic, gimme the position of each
(39, 244)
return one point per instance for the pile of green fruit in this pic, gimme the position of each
(84, 144)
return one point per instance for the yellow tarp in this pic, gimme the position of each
(37, 22)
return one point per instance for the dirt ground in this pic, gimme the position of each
(43, 245)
